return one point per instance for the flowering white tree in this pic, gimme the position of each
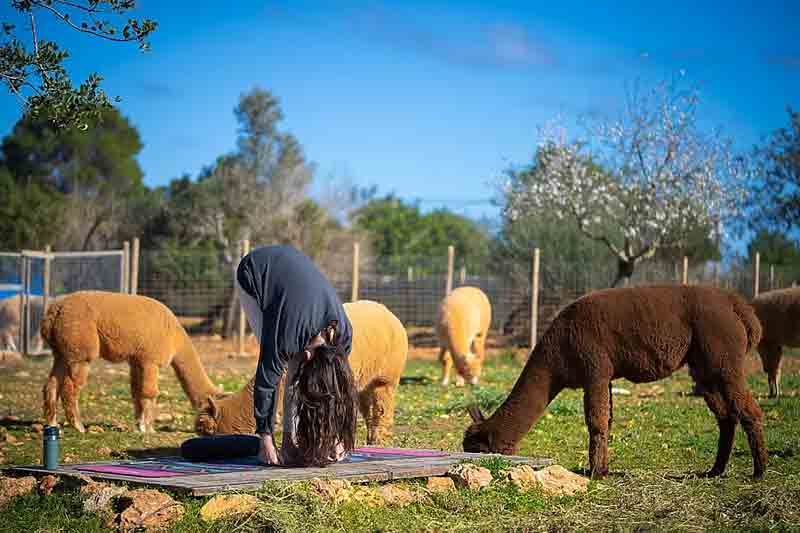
(643, 181)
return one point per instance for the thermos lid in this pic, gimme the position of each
(50, 431)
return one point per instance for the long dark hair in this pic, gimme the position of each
(325, 396)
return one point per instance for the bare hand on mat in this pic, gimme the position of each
(267, 454)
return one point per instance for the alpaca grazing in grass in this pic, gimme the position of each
(143, 332)
(779, 314)
(378, 357)
(464, 318)
(642, 335)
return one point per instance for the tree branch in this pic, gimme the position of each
(65, 19)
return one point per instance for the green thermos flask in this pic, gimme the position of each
(50, 448)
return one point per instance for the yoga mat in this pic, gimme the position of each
(400, 451)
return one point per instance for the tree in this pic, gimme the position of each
(36, 75)
(400, 234)
(776, 183)
(31, 216)
(651, 177)
(94, 172)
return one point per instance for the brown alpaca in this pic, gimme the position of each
(779, 314)
(464, 318)
(85, 325)
(378, 357)
(642, 335)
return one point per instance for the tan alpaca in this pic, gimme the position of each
(464, 319)
(143, 332)
(779, 314)
(380, 349)
(10, 320)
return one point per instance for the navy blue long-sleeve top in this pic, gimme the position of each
(297, 302)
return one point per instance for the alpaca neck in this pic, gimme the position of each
(532, 393)
(191, 374)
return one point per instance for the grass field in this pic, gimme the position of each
(660, 436)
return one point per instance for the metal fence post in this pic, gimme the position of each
(756, 273)
(685, 270)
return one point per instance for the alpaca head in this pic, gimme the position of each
(477, 437)
(206, 422)
(469, 367)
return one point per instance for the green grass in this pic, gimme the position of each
(657, 441)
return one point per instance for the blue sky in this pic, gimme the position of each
(430, 100)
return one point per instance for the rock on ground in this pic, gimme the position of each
(440, 484)
(147, 509)
(335, 490)
(471, 476)
(97, 496)
(11, 487)
(396, 495)
(46, 485)
(224, 506)
(554, 480)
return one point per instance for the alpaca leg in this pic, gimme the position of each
(53, 389)
(745, 408)
(363, 407)
(596, 407)
(74, 379)
(136, 387)
(771, 355)
(610, 409)
(379, 428)
(144, 395)
(479, 349)
(447, 364)
(727, 427)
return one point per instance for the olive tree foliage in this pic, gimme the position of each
(643, 181)
(32, 68)
(776, 181)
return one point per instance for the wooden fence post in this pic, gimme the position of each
(535, 297)
(126, 265)
(451, 252)
(356, 272)
(462, 275)
(756, 273)
(410, 274)
(245, 249)
(134, 283)
(685, 270)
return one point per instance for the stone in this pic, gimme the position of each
(224, 506)
(396, 495)
(95, 429)
(11, 487)
(147, 509)
(554, 480)
(164, 417)
(97, 496)
(335, 490)
(37, 428)
(46, 485)
(105, 450)
(440, 484)
(620, 391)
(471, 476)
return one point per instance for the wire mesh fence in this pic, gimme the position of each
(197, 284)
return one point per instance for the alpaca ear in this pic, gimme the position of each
(475, 413)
